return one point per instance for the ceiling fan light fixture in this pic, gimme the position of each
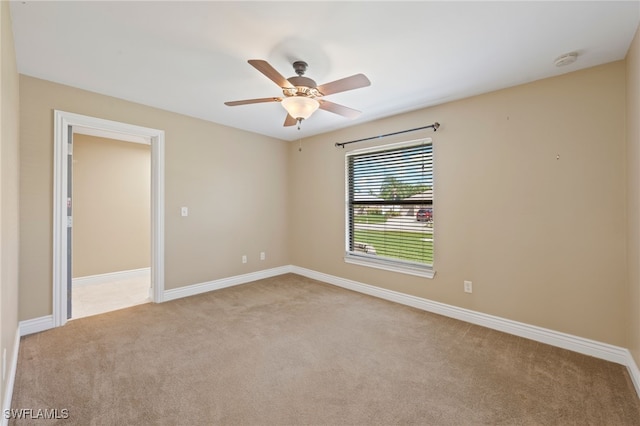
(300, 107)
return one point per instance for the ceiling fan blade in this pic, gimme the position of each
(289, 121)
(348, 83)
(270, 72)
(252, 101)
(339, 109)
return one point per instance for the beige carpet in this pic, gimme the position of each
(289, 351)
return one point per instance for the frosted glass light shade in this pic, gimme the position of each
(300, 107)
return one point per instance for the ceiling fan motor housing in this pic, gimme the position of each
(303, 86)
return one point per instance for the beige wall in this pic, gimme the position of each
(111, 205)
(233, 182)
(542, 239)
(9, 149)
(633, 192)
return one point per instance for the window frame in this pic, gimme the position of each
(388, 264)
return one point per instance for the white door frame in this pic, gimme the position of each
(62, 121)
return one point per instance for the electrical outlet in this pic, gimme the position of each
(244, 258)
(468, 287)
(184, 211)
(263, 256)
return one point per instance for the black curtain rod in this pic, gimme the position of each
(433, 126)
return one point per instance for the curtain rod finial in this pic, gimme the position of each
(435, 126)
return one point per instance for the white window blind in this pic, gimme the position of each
(390, 205)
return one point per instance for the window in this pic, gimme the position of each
(390, 207)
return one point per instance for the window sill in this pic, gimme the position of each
(388, 266)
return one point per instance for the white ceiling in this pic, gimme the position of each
(190, 57)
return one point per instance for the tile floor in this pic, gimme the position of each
(93, 299)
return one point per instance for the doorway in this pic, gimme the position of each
(65, 125)
(111, 241)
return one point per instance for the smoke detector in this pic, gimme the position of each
(566, 59)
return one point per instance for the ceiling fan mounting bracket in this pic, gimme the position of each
(300, 67)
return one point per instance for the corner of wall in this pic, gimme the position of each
(9, 201)
(633, 193)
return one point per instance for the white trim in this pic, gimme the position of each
(634, 372)
(157, 217)
(192, 290)
(36, 325)
(425, 272)
(8, 391)
(111, 276)
(62, 120)
(581, 345)
(60, 153)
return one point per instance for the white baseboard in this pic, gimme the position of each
(36, 325)
(192, 290)
(554, 338)
(634, 372)
(111, 276)
(8, 391)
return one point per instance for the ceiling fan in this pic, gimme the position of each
(302, 96)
